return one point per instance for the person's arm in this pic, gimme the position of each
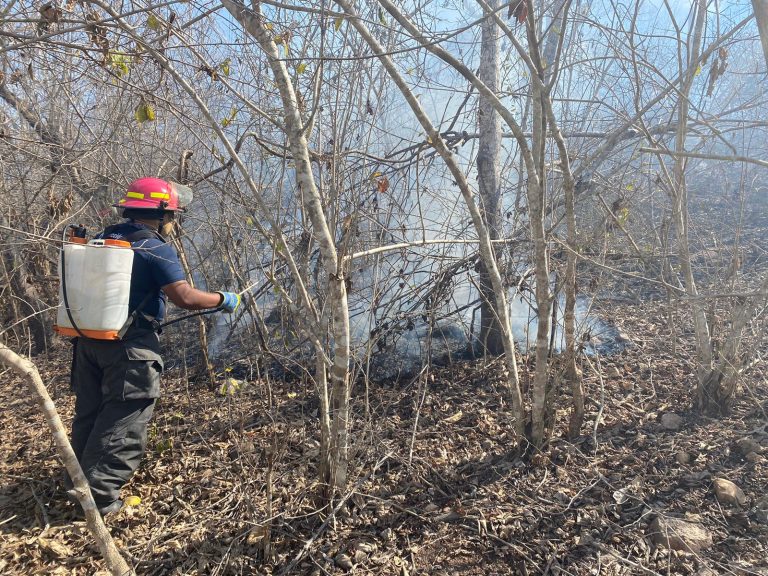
(184, 296)
(167, 272)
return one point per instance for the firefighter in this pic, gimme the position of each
(116, 382)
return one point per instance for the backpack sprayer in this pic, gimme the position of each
(94, 288)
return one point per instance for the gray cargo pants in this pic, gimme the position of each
(115, 384)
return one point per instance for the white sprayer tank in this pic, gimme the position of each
(98, 282)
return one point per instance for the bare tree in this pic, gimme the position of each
(335, 427)
(436, 140)
(719, 356)
(535, 163)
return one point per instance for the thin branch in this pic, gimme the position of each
(677, 154)
(401, 245)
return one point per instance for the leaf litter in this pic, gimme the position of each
(450, 496)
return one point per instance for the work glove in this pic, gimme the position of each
(229, 301)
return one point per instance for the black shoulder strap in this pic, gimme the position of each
(143, 234)
(135, 236)
(108, 231)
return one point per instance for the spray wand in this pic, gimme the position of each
(205, 312)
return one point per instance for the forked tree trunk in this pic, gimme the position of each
(552, 46)
(336, 302)
(115, 562)
(716, 393)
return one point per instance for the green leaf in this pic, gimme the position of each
(229, 119)
(230, 387)
(623, 215)
(337, 23)
(144, 112)
(163, 445)
(224, 66)
(153, 23)
(216, 154)
(119, 62)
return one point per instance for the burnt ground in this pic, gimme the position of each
(436, 485)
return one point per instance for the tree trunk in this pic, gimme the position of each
(202, 331)
(115, 562)
(680, 209)
(489, 148)
(571, 374)
(717, 391)
(182, 175)
(27, 294)
(336, 302)
(761, 15)
(536, 199)
(321, 382)
(340, 382)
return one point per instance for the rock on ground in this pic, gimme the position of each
(728, 493)
(671, 421)
(679, 534)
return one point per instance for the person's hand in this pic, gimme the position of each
(229, 301)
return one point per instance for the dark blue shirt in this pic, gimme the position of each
(155, 264)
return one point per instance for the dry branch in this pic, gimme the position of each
(27, 370)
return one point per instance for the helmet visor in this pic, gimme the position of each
(183, 193)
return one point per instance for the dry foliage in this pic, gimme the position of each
(451, 499)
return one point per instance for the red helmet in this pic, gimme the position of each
(155, 194)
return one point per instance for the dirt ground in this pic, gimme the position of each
(437, 487)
